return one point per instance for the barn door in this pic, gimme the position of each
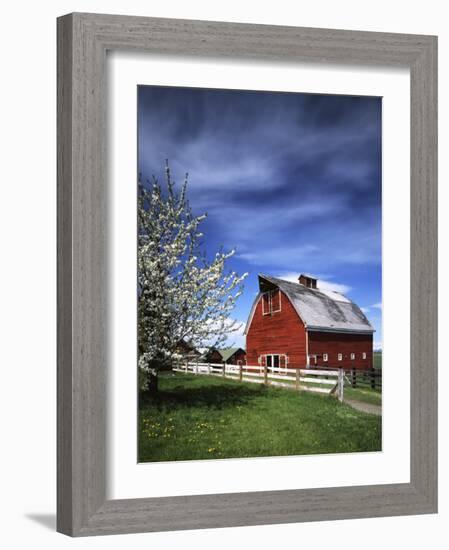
(273, 360)
(283, 362)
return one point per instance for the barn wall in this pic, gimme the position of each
(335, 343)
(214, 357)
(279, 333)
(240, 356)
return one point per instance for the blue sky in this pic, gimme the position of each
(291, 181)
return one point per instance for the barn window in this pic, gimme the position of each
(273, 361)
(363, 355)
(271, 302)
(275, 301)
(266, 303)
(352, 355)
(325, 357)
(340, 356)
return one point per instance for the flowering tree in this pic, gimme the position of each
(182, 296)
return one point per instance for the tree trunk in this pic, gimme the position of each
(152, 381)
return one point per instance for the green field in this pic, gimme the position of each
(365, 395)
(197, 417)
(363, 392)
(377, 360)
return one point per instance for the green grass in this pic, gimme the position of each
(197, 417)
(363, 394)
(366, 395)
(377, 360)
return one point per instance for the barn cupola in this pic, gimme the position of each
(307, 280)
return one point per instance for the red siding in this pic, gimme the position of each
(214, 357)
(279, 333)
(240, 357)
(335, 343)
(237, 358)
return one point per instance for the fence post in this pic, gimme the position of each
(297, 381)
(353, 378)
(265, 375)
(240, 372)
(224, 370)
(341, 384)
(187, 367)
(373, 379)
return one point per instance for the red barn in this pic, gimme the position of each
(300, 325)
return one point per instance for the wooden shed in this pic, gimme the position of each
(230, 356)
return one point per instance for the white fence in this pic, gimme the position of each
(330, 382)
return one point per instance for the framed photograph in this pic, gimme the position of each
(247, 274)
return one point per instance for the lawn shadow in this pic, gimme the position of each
(213, 396)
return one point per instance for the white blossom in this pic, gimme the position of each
(182, 296)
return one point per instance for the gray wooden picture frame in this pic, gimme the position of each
(83, 40)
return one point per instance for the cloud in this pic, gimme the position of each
(365, 309)
(334, 287)
(237, 338)
(234, 338)
(289, 237)
(291, 181)
(289, 276)
(324, 285)
(378, 305)
(284, 178)
(281, 256)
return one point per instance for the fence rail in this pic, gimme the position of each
(329, 381)
(361, 378)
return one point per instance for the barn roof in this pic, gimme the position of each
(227, 353)
(319, 309)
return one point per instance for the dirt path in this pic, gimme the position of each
(364, 407)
